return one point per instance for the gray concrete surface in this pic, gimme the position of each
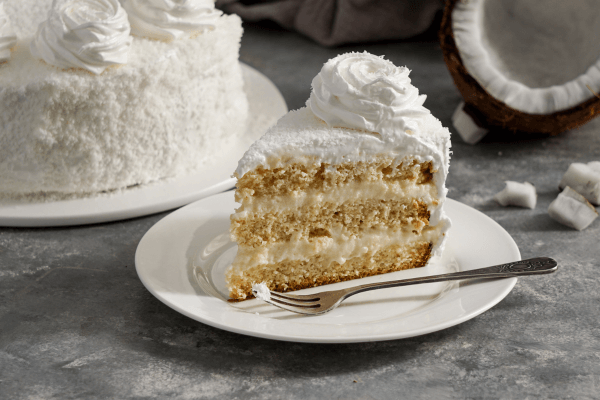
(76, 322)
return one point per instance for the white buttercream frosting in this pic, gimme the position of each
(364, 91)
(88, 34)
(394, 121)
(8, 38)
(171, 19)
(302, 134)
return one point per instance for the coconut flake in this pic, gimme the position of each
(584, 179)
(572, 209)
(468, 129)
(261, 291)
(517, 194)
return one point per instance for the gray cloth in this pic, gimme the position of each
(335, 22)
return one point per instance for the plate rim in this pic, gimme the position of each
(69, 212)
(509, 284)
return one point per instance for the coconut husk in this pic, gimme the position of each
(489, 112)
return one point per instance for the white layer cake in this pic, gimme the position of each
(350, 186)
(167, 111)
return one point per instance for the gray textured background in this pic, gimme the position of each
(76, 322)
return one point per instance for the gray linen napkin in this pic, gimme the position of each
(335, 22)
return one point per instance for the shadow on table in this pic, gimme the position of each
(215, 351)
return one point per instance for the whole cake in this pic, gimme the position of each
(350, 186)
(97, 95)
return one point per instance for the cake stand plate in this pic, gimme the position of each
(266, 107)
(182, 260)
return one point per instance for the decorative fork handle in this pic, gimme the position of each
(532, 266)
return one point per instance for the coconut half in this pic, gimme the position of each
(523, 65)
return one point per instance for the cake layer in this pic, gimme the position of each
(300, 274)
(312, 176)
(320, 220)
(313, 220)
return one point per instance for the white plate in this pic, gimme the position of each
(266, 107)
(181, 261)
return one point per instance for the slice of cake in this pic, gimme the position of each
(96, 95)
(350, 186)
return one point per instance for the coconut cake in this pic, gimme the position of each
(99, 95)
(352, 185)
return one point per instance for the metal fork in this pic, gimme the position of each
(319, 303)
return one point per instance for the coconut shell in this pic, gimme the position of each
(489, 112)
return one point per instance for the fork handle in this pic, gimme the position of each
(532, 266)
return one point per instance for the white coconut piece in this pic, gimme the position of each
(517, 194)
(537, 57)
(584, 179)
(261, 291)
(468, 129)
(572, 209)
(595, 166)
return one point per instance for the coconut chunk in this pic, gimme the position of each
(468, 129)
(517, 194)
(584, 179)
(572, 209)
(595, 166)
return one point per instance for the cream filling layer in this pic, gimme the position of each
(351, 193)
(338, 247)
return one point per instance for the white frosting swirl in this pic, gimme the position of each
(171, 19)
(8, 38)
(88, 34)
(364, 91)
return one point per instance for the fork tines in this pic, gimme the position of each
(292, 303)
(294, 300)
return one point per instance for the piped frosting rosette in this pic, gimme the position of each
(8, 38)
(367, 92)
(88, 34)
(171, 19)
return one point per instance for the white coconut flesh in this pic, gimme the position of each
(517, 194)
(572, 209)
(537, 57)
(584, 179)
(468, 129)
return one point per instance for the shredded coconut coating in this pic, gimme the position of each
(165, 113)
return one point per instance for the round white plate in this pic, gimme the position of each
(181, 260)
(266, 107)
